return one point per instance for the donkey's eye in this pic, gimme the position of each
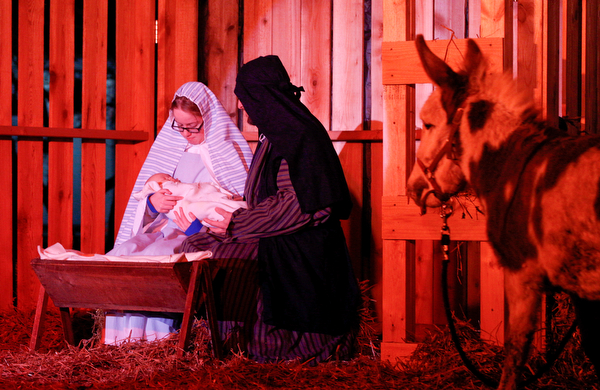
(427, 126)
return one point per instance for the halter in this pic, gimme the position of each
(446, 150)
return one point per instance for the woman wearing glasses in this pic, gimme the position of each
(198, 143)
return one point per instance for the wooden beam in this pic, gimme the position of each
(403, 221)
(339, 136)
(401, 63)
(60, 133)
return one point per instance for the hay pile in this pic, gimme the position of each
(92, 365)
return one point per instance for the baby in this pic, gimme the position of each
(200, 199)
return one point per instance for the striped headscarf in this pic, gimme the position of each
(229, 152)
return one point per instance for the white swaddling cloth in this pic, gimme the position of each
(200, 199)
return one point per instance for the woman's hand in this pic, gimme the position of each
(219, 227)
(181, 220)
(163, 201)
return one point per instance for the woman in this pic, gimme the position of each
(296, 194)
(198, 143)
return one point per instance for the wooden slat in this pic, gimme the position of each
(376, 175)
(550, 85)
(58, 133)
(592, 62)
(258, 28)
(403, 221)
(347, 99)
(6, 176)
(258, 37)
(287, 30)
(30, 153)
(449, 19)
(93, 115)
(492, 19)
(60, 153)
(573, 61)
(492, 298)
(222, 48)
(177, 49)
(401, 63)
(398, 151)
(134, 93)
(529, 47)
(316, 72)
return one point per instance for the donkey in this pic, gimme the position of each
(539, 187)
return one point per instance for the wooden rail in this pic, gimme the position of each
(339, 136)
(88, 134)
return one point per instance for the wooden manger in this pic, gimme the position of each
(178, 287)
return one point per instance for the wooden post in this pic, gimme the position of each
(6, 176)
(30, 156)
(398, 144)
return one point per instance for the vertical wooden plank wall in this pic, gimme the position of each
(60, 152)
(177, 49)
(135, 92)
(6, 194)
(93, 116)
(30, 164)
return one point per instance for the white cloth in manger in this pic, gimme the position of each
(58, 252)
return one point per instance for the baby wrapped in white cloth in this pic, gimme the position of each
(200, 199)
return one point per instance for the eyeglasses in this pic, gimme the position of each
(191, 130)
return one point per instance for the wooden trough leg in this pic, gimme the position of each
(190, 308)
(38, 322)
(211, 312)
(67, 323)
(200, 269)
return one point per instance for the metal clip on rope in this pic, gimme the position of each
(446, 211)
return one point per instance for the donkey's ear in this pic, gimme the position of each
(437, 70)
(452, 84)
(475, 64)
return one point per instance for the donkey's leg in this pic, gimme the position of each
(588, 321)
(523, 293)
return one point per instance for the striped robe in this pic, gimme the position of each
(239, 304)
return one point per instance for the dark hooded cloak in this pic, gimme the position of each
(273, 104)
(306, 278)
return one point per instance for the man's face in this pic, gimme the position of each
(248, 119)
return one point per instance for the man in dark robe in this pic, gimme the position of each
(296, 194)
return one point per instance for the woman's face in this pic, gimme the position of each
(189, 120)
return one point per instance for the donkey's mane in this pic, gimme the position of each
(510, 97)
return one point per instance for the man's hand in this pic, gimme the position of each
(219, 227)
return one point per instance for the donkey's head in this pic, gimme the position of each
(438, 170)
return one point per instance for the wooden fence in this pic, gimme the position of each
(59, 144)
(548, 46)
